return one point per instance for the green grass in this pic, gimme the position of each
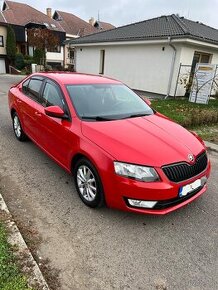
(10, 276)
(188, 114)
(200, 118)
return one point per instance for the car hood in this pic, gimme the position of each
(150, 140)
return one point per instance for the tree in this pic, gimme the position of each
(11, 44)
(42, 39)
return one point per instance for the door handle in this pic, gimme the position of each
(19, 101)
(38, 114)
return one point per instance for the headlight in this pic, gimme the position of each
(142, 173)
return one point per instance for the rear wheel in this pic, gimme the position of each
(18, 131)
(88, 183)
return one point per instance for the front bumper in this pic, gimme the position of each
(164, 191)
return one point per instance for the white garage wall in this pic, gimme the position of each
(142, 67)
(2, 66)
(88, 60)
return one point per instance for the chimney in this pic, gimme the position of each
(49, 12)
(92, 21)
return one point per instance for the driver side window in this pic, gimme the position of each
(51, 96)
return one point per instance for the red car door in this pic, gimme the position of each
(28, 101)
(55, 136)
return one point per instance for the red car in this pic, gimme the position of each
(120, 151)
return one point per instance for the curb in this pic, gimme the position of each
(34, 276)
(211, 146)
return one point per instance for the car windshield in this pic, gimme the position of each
(105, 102)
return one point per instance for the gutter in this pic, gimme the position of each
(171, 68)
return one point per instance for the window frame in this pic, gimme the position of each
(53, 82)
(40, 101)
(1, 41)
(26, 93)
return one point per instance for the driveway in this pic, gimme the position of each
(106, 249)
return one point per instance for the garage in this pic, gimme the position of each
(2, 66)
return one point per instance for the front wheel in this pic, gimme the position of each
(88, 183)
(18, 131)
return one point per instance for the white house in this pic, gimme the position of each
(147, 55)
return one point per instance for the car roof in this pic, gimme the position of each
(68, 78)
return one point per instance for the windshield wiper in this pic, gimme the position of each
(97, 118)
(138, 115)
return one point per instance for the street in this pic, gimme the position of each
(106, 249)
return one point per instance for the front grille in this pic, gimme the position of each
(183, 171)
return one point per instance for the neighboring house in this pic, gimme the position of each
(22, 17)
(3, 35)
(76, 27)
(100, 25)
(147, 55)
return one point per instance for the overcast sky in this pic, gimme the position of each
(121, 12)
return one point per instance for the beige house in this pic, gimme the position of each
(3, 35)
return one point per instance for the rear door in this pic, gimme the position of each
(54, 132)
(29, 101)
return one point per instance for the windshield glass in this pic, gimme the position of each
(107, 102)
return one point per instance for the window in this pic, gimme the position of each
(102, 59)
(25, 87)
(52, 97)
(106, 100)
(1, 41)
(200, 57)
(33, 89)
(55, 48)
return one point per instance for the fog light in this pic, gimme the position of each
(142, 203)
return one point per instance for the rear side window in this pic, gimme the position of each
(25, 86)
(32, 87)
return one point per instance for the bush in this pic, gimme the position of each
(19, 61)
(39, 56)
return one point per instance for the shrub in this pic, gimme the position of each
(19, 61)
(38, 56)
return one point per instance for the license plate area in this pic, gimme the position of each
(186, 189)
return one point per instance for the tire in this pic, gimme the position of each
(88, 183)
(18, 130)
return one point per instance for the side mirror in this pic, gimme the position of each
(147, 101)
(54, 111)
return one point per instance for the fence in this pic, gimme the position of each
(185, 78)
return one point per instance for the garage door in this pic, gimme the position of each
(2, 66)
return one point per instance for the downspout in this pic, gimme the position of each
(171, 68)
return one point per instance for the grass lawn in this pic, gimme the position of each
(198, 117)
(10, 276)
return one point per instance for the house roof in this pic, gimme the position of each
(105, 25)
(2, 20)
(157, 28)
(76, 26)
(72, 24)
(23, 14)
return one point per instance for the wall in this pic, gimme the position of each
(142, 67)
(3, 32)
